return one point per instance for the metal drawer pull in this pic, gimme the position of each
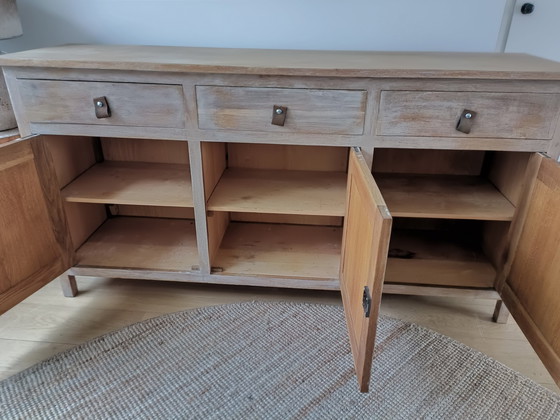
(102, 109)
(466, 121)
(279, 114)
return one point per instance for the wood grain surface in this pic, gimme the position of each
(289, 62)
(365, 244)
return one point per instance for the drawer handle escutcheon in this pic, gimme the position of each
(279, 114)
(465, 123)
(366, 302)
(102, 109)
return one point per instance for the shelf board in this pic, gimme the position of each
(141, 243)
(280, 250)
(439, 260)
(314, 193)
(443, 197)
(135, 183)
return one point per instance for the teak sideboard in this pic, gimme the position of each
(419, 173)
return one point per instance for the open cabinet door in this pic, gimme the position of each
(365, 244)
(530, 282)
(35, 246)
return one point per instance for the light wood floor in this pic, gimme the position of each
(47, 323)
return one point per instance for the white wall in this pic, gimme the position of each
(537, 33)
(436, 25)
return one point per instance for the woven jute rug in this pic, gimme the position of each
(270, 361)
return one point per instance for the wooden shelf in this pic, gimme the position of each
(141, 243)
(443, 197)
(136, 183)
(281, 192)
(280, 250)
(440, 259)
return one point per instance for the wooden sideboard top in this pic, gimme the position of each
(289, 62)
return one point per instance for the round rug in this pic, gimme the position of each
(270, 361)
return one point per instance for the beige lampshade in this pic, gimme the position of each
(10, 25)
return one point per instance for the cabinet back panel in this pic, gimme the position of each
(275, 156)
(152, 211)
(142, 150)
(289, 219)
(432, 162)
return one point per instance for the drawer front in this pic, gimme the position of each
(309, 111)
(498, 115)
(130, 104)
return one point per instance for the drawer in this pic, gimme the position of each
(498, 115)
(309, 111)
(130, 104)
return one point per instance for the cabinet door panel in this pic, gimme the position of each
(34, 243)
(530, 284)
(367, 229)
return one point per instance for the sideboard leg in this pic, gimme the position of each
(69, 286)
(501, 313)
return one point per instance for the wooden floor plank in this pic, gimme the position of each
(30, 335)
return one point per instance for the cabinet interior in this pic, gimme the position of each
(452, 211)
(275, 210)
(128, 201)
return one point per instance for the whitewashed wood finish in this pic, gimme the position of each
(69, 285)
(454, 143)
(134, 105)
(527, 88)
(15, 99)
(308, 111)
(289, 62)
(199, 201)
(283, 282)
(373, 87)
(499, 115)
